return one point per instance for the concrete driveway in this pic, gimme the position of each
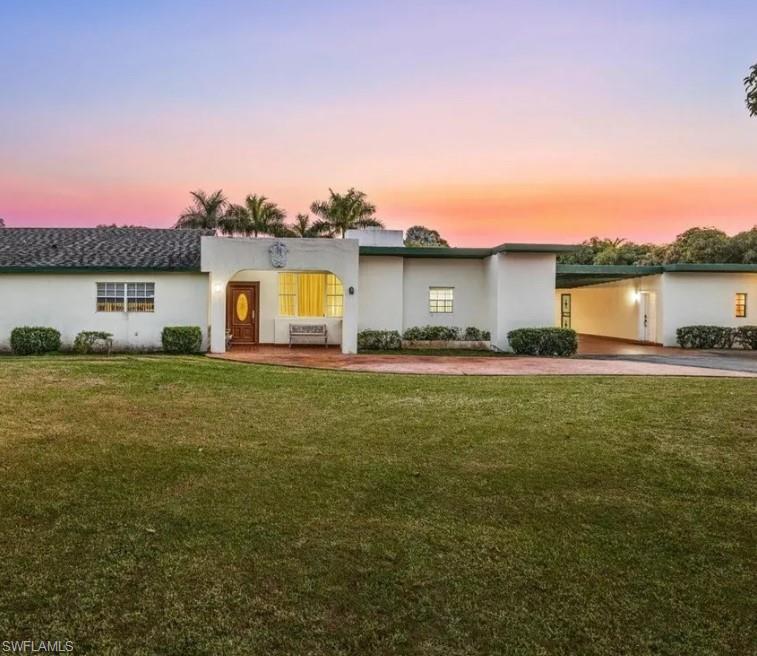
(599, 348)
(318, 357)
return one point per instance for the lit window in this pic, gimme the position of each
(129, 297)
(334, 296)
(440, 299)
(140, 297)
(740, 305)
(288, 294)
(310, 295)
(110, 297)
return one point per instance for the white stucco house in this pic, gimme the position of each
(132, 282)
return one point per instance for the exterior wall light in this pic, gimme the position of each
(351, 291)
(217, 287)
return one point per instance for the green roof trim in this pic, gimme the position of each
(96, 269)
(535, 248)
(711, 268)
(464, 253)
(581, 275)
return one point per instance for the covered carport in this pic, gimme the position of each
(609, 303)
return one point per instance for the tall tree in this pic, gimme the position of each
(258, 216)
(343, 212)
(2, 222)
(304, 227)
(701, 245)
(206, 211)
(750, 83)
(419, 236)
(745, 246)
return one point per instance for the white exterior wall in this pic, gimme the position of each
(273, 328)
(610, 309)
(705, 298)
(376, 236)
(225, 258)
(381, 293)
(468, 277)
(523, 287)
(67, 302)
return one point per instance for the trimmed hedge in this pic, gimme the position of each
(86, 340)
(181, 339)
(746, 336)
(473, 334)
(544, 341)
(717, 337)
(706, 337)
(33, 340)
(446, 334)
(379, 340)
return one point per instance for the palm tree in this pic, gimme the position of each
(206, 211)
(303, 227)
(750, 83)
(343, 212)
(258, 216)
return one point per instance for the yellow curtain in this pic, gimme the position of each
(287, 294)
(311, 294)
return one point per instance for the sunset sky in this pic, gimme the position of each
(488, 120)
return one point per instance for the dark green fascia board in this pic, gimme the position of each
(535, 248)
(711, 268)
(582, 275)
(49, 269)
(567, 282)
(445, 253)
(626, 270)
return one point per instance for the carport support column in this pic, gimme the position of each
(349, 320)
(218, 313)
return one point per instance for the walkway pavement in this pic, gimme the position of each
(331, 358)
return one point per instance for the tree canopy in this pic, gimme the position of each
(258, 216)
(342, 212)
(694, 246)
(304, 227)
(207, 211)
(419, 236)
(750, 83)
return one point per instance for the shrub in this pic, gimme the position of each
(543, 341)
(706, 337)
(427, 333)
(28, 340)
(86, 340)
(746, 336)
(473, 334)
(379, 340)
(181, 339)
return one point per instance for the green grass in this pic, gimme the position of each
(153, 505)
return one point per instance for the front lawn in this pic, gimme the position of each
(155, 505)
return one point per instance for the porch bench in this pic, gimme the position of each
(311, 333)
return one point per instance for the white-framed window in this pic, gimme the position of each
(125, 297)
(740, 305)
(310, 294)
(441, 299)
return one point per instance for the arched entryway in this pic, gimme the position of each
(256, 293)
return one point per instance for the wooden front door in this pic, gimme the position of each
(242, 310)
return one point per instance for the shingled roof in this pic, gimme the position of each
(118, 249)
